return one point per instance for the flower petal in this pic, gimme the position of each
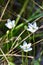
(34, 24)
(24, 43)
(30, 25)
(29, 45)
(9, 25)
(29, 49)
(13, 23)
(8, 20)
(28, 29)
(25, 50)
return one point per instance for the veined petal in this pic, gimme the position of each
(35, 25)
(30, 25)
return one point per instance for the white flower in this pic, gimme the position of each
(10, 24)
(26, 47)
(32, 27)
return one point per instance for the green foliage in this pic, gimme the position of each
(36, 62)
(23, 12)
(10, 63)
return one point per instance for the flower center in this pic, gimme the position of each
(26, 48)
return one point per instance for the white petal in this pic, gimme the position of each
(29, 45)
(30, 25)
(33, 30)
(36, 28)
(9, 25)
(8, 20)
(13, 23)
(29, 49)
(25, 50)
(24, 43)
(34, 24)
(28, 29)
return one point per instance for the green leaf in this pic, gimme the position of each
(10, 63)
(36, 62)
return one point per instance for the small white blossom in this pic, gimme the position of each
(32, 27)
(10, 24)
(26, 47)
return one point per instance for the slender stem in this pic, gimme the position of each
(7, 39)
(26, 38)
(17, 55)
(17, 38)
(37, 42)
(26, 59)
(20, 55)
(22, 58)
(22, 10)
(37, 4)
(4, 55)
(4, 9)
(11, 37)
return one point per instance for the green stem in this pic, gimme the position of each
(22, 58)
(22, 10)
(26, 59)
(11, 37)
(7, 43)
